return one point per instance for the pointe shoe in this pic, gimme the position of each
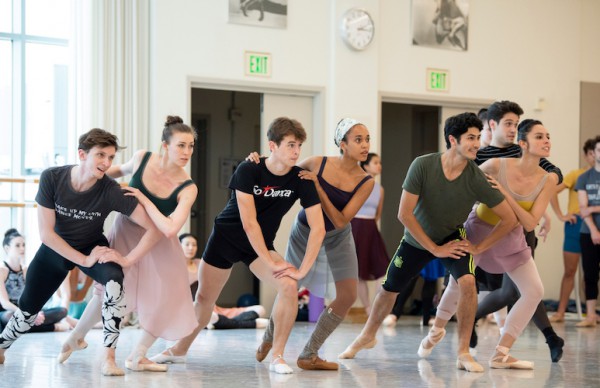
(502, 362)
(111, 370)
(354, 348)
(73, 345)
(279, 366)
(316, 363)
(390, 321)
(424, 352)
(169, 358)
(137, 366)
(263, 350)
(586, 323)
(557, 318)
(469, 365)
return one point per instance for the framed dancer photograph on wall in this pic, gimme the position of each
(440, 24)
(262, 13)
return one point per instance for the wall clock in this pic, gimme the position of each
(357, 28)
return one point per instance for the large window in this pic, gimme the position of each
(35, 69)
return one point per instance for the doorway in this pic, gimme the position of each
(409, 131)
(231, 124)
(228, 126)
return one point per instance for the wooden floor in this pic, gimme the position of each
(226, 359)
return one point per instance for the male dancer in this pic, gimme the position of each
(503, 118)
(244, 231)
(439, 192)
(73, 203)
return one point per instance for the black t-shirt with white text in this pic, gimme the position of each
(80, 215)
(274, 195)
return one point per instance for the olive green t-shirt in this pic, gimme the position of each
(443, 205)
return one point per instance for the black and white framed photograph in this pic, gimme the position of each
(440, 24)
(262, 13)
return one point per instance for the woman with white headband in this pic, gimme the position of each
(343, 188)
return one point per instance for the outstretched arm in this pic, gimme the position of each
(314, 216)
(149, 238)
(530, 219)
(171, 225)
(508, 221)
(119, 170)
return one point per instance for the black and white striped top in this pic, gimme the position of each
(513, 151)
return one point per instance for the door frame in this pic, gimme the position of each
(317, 93)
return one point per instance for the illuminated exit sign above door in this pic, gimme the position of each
(438, 80)
(257, 64)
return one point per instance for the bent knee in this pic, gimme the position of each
(287, 287)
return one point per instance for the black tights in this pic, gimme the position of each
(427, 294)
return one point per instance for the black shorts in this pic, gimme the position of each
(228, 245)
(408, 261)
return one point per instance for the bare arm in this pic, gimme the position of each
(119, 170)
(171, 225)
(452, 249)
(530, 219)
(555, 204)
(149, 238)
(254, 231)
(46, 222)
(508, 221)
(379, 207)
(582, 196)
(339, 219)
(314, 216)
(4, 300)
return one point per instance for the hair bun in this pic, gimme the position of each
(173, 120)
(10, 232)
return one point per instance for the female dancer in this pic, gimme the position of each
(343, 188)
(370, 248)
(528, 189)
(156, 286)
(12, 284)
(248, 317)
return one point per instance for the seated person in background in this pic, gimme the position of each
(12, 283)
(250, 317)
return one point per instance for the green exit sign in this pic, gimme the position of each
(258, 64)
(438, 80)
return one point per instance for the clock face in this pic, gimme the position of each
(357, 28)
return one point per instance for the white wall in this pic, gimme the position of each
(518, 50)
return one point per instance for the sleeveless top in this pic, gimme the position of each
(339, 198)
(15, 284)
(369, 208)
(165, 205)
(525, 201)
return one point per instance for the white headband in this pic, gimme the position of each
(342, 129)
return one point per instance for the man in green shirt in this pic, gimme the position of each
(440, 190)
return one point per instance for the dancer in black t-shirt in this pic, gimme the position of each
(244, 231)
(73, 203)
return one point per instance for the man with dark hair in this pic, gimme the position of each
(503, 117)
(588, 188)
(486, 134)
(73, 203)
(262, 193)
(440, 190)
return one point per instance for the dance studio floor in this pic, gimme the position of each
(226, 359)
